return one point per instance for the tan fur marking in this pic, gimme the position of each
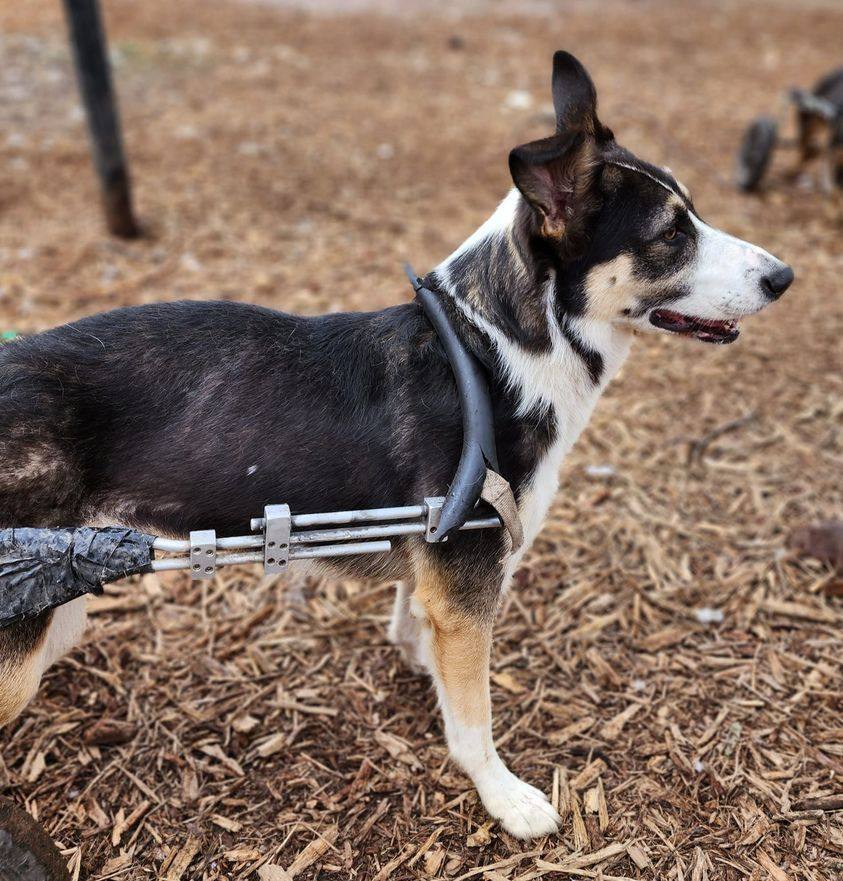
(553, 229)
(610, 288)
(661, 219)
(24, 658)
(460, 645)
(19, 680)
(675, 200)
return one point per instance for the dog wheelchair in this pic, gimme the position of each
(819, 134)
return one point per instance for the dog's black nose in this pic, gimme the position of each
(778, 281)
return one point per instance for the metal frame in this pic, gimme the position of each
(281, 538)
(752, 166)
(276, 538)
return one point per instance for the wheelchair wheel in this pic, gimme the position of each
(755, 152)
(27, 853)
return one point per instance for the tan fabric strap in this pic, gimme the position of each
(498, 493)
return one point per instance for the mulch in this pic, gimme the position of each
(667, 665)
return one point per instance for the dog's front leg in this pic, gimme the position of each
(456, 645)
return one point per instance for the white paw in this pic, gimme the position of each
(522, 810)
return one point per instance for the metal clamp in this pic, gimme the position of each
(276, 538)
(434, 512)
(203, 553)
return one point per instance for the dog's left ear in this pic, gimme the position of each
(575, 98)
(556, 176)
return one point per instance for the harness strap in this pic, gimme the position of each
(498, 493)
(476, 476)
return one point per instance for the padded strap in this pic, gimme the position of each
(498, 493)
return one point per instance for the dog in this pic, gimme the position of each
(175, 416)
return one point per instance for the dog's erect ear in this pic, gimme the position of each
(555, 176)
(575, 98)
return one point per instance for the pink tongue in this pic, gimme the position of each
(701, 324)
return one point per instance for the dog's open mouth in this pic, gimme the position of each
(700, 328)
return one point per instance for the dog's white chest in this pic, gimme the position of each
(544, 483)
(573, 409)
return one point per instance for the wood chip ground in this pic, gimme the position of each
(249, 729)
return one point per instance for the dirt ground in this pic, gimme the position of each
(251, 728)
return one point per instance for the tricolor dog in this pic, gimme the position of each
(174, 416)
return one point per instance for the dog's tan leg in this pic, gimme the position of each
(28, 649)
(19, 679)
(456, 646)
(21, 649)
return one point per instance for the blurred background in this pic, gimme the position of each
(667, 664)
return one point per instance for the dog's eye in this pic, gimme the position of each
(671, 234)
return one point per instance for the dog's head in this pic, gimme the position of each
(623, 235)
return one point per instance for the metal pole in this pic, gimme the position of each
(90, 54)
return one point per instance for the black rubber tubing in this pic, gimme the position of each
(478, 440)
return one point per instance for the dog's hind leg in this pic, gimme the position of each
(21, 647)
(38, 487)
(456, 645)
(404, 629)
(29, 648)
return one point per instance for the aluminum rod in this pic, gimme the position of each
(482, 523)
(344, 550)
(171, 563)
(301, 553)
(238, 559)
(380, 531)
(171, 545)
(182, 546)
(355, 532)
(339, 518)
(240, 541)
(368, 515)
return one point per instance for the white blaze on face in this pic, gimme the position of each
(725, 278)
